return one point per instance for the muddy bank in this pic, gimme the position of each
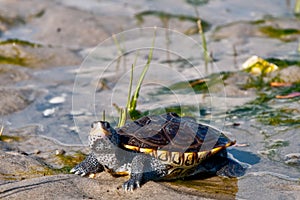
(34, 167)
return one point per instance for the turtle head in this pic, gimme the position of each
(102, 136)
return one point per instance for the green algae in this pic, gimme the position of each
(272, 149)
(16, 41)
(197, 2)
(166, 16)
(13, 53)
(257, 22)
(277, 144)
(8, 138)
(162, 14)
(278, 118)
(69, 161)
(198, 86)
(19, 20)
(282, 63)
(262, 109)
(31, 173)
(13, 60)
(279, 33)
(12, 21)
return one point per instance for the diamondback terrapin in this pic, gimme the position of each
(158, 147)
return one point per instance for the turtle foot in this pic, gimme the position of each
(88, 166)
(133, 183)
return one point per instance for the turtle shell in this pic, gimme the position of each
(169, 132)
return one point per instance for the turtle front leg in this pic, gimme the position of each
(143, 169)
(89, 165)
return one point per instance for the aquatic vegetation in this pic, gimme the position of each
(12, 52)
(269, 88)
(278, 143)
(197, 2)
(262, 107)
(162, 14)
(206, 56)
(278, 117)
(13, 60)
(8, 138)
(279, 33)
(68, 161)
(297, 7)
(16, 41)
(11, 21)
(283, 62)
(165, 16)
(131, 104)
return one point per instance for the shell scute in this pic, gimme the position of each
(172, 133)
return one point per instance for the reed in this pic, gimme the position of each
(297, 7)
(206, 56)
(130, 109)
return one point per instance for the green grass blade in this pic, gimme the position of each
(204, 45)
(297, 7)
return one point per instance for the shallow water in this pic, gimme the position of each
(69, 98)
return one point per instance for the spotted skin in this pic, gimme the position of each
(150, 149)
(89, 166)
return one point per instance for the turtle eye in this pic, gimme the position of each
(93, 125)
(106, 125)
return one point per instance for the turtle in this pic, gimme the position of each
(158, 147)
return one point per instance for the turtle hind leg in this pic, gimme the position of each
(221, 165)
(134, 182)
(232, 169)
(88, 166)
(143, 169)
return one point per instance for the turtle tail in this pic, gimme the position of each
(219, 148)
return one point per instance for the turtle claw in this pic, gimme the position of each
(133, 183)
(77, 172)
(88, 166)
(128, 187)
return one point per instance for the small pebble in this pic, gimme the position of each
(57, 100)
(236, 124)
(76, 112)
(292, 156)
(48, 112)
(292, 159)
(74, 129)
(37, 151)
(92, 175)
(60, 152)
